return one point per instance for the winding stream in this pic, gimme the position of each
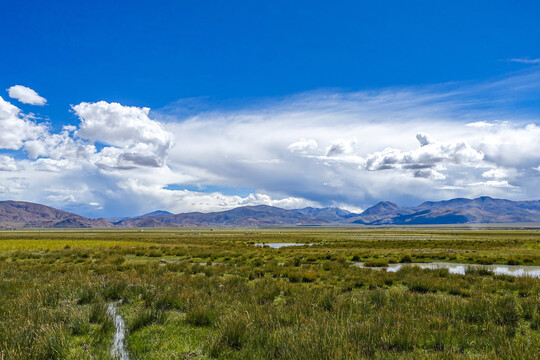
(118, 350)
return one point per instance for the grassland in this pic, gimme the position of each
(202, 294)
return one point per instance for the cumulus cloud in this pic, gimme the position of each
(425, 158)
(512, 145)
(342, 147)
(7, 163)
(119, 125)
(135, 139)
(60, 146)
(15, 129)
(26, 95)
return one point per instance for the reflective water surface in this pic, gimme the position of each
(280, 245)
(118, 349)
(460, 269)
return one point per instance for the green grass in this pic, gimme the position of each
(213, 295)
(6, 245)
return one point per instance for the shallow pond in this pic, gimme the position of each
(460, 269)
(280, 245)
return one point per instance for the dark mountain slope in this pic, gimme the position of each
(455, 211)
(381, 213)
(242, 216)
(21, 214)
(158, 212)
(330, 214)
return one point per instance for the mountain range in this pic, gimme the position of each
(19, 214)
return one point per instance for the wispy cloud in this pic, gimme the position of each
(525, 60)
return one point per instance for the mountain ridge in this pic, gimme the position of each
(20, 214)
(483, 209)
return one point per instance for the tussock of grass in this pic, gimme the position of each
(201, 315)
(376, 263)
(147, 317)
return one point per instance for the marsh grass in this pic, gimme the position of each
(201, 315)
(146, 317)
(212, 295)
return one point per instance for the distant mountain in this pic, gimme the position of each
(20, 214)
(261, 215)
(116, 220)
(158, 212)
(330, 214)
(381, 213)
(455, 211)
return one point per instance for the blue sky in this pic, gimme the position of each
(232, 86)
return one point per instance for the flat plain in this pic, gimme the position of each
(223, 293)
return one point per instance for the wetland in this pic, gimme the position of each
(106, 294)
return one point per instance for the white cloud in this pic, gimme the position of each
(353, 209)
(450, 187)
(525, 60)
(7, 163)
(303, 145)
(62, 199)
(16, 129)
(215, 146)
(26, 95)
(134, 138)
(184, 200)
(262, 161)
(60, 146)
(351, 149)
(512, 145)
(499, 173)
(493, 183)
(13, 185)
(426, 157)
(480, 124)
(56, 165)
(342, 147)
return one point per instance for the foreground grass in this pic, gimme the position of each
(211, 294)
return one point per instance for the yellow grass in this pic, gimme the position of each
(7, 245)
